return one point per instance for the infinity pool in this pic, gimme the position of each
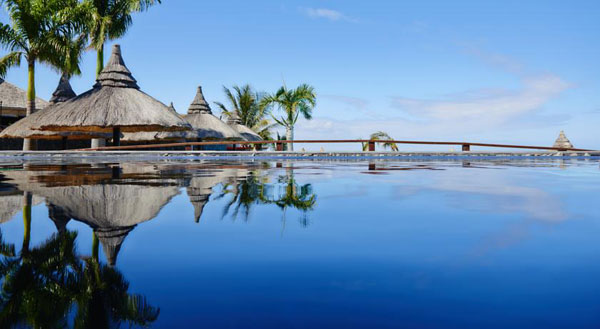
(301, 244)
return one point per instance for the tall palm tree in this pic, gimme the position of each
(292, 102)
(245, 103)
(109, 20)
(40, 31)
(381, 136)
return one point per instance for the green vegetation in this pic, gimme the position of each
(292, 102)
(109, 20)
(381, 136)
(244, 103)
(41, 31)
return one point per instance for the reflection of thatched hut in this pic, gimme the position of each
(114, 105)
(234, 121)
(11, 204)
(205, 124)
(24, 128)
(200, 189)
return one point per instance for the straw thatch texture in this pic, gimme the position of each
(200, 189)
(15, 97)
(63, 91)
(10, 205)
(248, 134)
(205, 124)
(115, 101)
(562, 142)
(24, 128)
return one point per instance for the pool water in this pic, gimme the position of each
(487, 243)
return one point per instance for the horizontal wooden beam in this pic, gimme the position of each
(328, 141)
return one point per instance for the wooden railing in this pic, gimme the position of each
(465, 146)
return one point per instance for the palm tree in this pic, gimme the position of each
(40, 31)
(109, 20)
(245, 103)
(292, 102)
(381, 136)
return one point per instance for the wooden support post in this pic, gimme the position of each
(466, 148)
(279, 146)
(371, 146)
(372, 166)
(116, 136)
(278, 165)
(63, 143)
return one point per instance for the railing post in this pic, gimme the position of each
(371, 146)
(466, 148)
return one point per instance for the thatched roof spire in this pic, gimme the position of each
(115, 104)
(562, 142)
(236, 123)
(115, 73)
(112, 240)
(58, 216)
(234, 119)
(63, 91)
(199, 104)
(172, 107)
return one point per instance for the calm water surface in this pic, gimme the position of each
(303, 244)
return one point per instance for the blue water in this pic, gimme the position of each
(323, 244)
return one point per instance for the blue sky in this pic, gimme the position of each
(503, 71)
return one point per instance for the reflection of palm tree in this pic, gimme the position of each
(253, 190)
(103, 300)
(41, 285)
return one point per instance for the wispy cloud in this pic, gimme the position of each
(329, 14)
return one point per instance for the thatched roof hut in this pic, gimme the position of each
(115, 104)
(146, 136)
(562, 142)
(24, 128)
(200, 189)
(14, 101)
(236, 123)
(205, 124)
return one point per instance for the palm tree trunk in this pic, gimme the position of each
(99, 142)
(95, 246)
(27, 200)
(289, 135)
(30, 99)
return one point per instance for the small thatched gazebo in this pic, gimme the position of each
(115, 104)
(149, 136)
(24, 128)
(562, 142)
(236, 123)
(206, 125)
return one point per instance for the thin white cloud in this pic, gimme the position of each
(329, 14)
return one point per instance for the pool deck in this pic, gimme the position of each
(121, 155)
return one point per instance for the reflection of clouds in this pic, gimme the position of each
(501, 195)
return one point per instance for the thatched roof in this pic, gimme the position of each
(112, 240)
(114, 101)
(58, 216)
(144, 136)
(12, 204)
(63, 91)
(236, 123)
(562, 142)
(200, 189)
(16, 98)
(24, 128)
(205, 124)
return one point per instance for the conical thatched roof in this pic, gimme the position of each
(236, 123)
(562, 142)
(115, 101)
(63, 91)
(205, 124)
(16, 98)
(200, 189)
(58, 216)
(112, 240)
(24, 128)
